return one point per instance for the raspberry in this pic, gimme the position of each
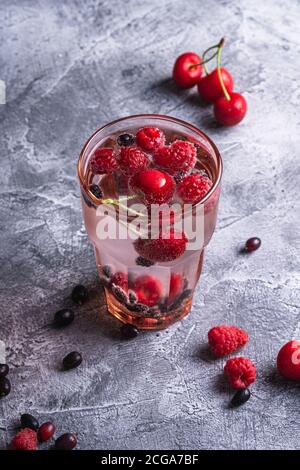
(176, 286)
(179, 156)
(150, 138)
(148, 290)
(153, 186)
(240, 371)
(121, 280)
(26, 439)
(131, 160)
(288, 360)
(162, 249)
(193, 188)
(225, 339)
(104, 161)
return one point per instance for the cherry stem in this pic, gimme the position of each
(216, 46)
(206, 60)
(220, 47)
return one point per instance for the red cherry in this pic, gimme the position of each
(230, 112)
(184, 74)
(153, 186)
(288, 360)
(209, 87)
(45, 431)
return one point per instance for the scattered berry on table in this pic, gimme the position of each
(104, 161)
(148, 290)
(252, 244)
(153, 186)
(79, 294)
(26, 439)
(150, 138)
(209, 87)
(45, 431)
(132, 160)
(66, 441)
(5, 387)
(241, 372)
(29, 421)
(4, 370)
(185, 74)
(124, 140)
(96, 191)
(140, 261)
(241, 397)
(225, 339)
(288, 360)
(72, 360)
(120, 279)
(129, 331)
(230, 112)
(177, 157)
(163, 249)
(193, 188)
(64, 317)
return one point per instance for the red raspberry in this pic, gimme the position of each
(240, 371)
(176, 286)
(162, 249)
(26, 439)
(104, 161)
(225, 339)
(131, 160)
(193, 188)
(121, 280)
(179, 156)
(153, 186)
(150, 138)
(148, 290)
(288, 360)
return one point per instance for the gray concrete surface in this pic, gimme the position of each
(69, 67)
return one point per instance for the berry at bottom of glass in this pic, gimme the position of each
(150, 187)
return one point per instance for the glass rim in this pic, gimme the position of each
(163, 117)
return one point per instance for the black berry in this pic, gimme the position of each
(5, 387)
(137, 307)
(241, 397)
(107, 271)
(120, 294)
(179, 176)
(29, 421)
(79, 294)
(64, 317)
(132, 297)
(125, 140)
(140, 261)
(4, 370)
(129, 331)
(252, 244)
(96, 191)
(66, 441)
(86, 199)
(72, 360)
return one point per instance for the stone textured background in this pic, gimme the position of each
(69, 67)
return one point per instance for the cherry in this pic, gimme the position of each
(230, 112)
(187, 70)
(154, 186)
(210, 88)
(288, 360)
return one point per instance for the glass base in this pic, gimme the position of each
(143, 322)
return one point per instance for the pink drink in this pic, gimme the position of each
(155, 294)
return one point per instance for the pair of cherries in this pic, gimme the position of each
(215, 87)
